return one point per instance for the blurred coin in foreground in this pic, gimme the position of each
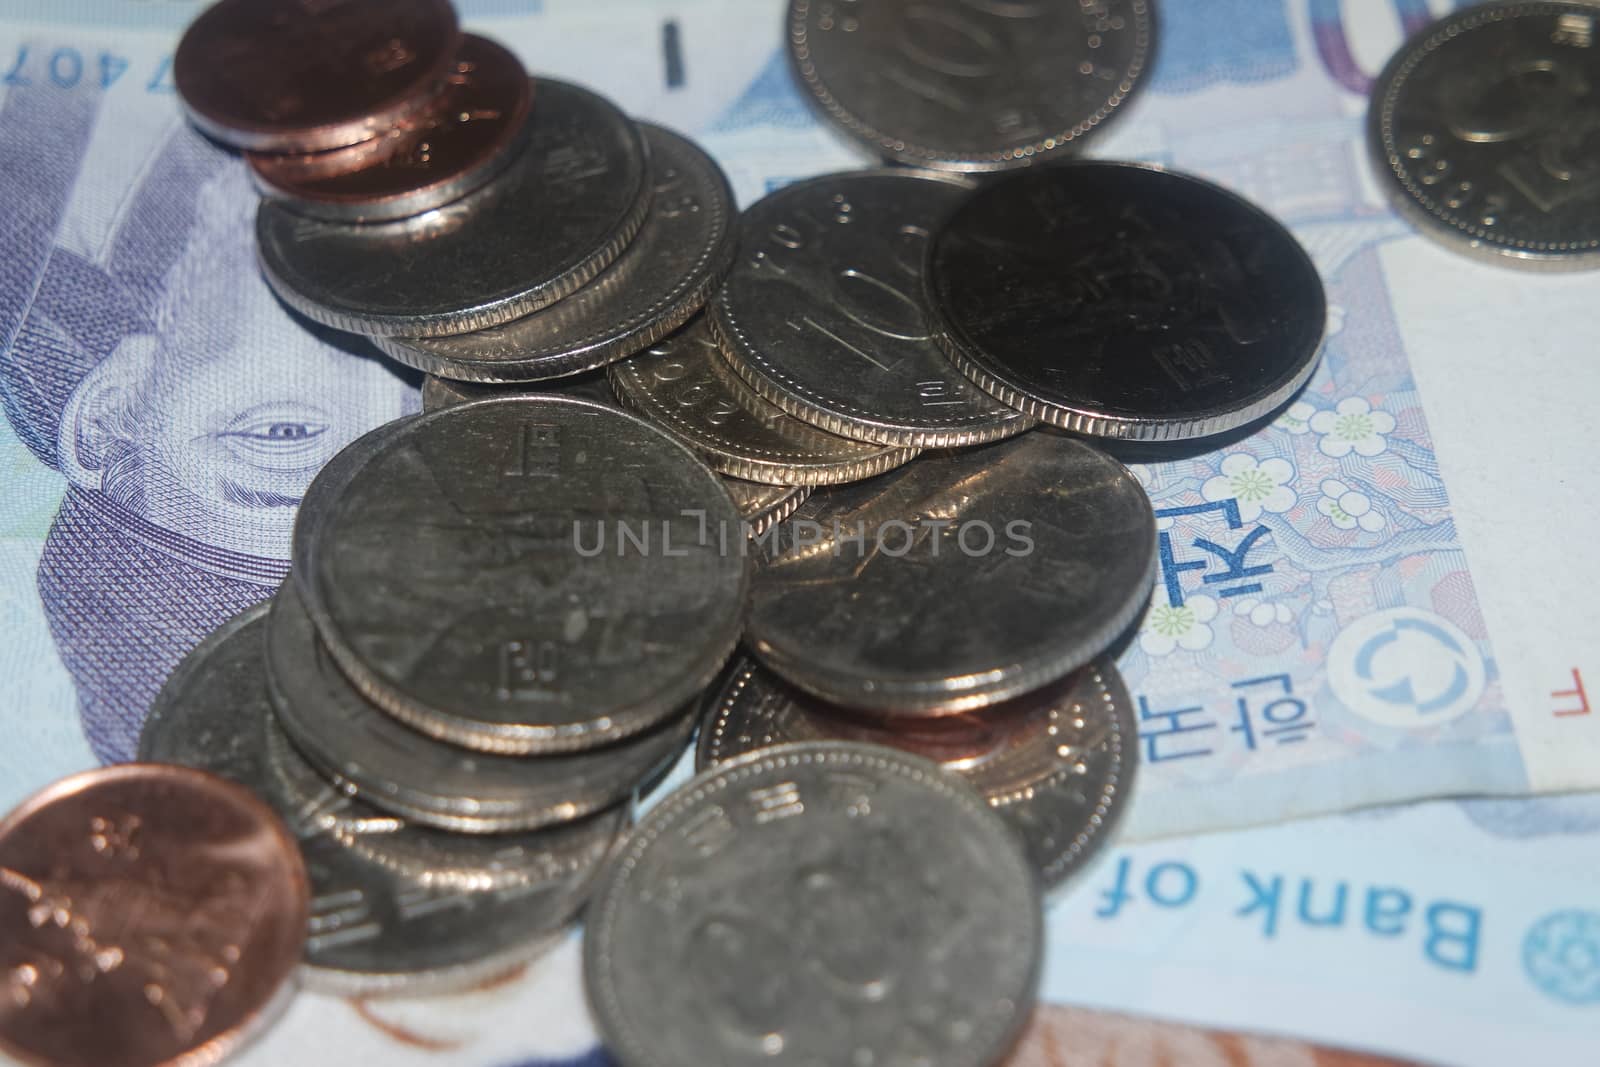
(443, 392)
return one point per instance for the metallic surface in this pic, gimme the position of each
(970, 85)
(298, 77)
(466, 136)
(149, 915)
(824, 314)
(556, 217)
(444, 392)
(829, 903)
(1118, 300)
(685, 386)
(962, 580)
(663, 277)
(495, 622)
(1484, 129)
(764, 506)
(1058, 763)
(426, 780)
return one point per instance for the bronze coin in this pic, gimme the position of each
(149, 915)
(298, 77)
(461, 141)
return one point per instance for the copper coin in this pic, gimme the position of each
(311, 74)
(148, 915)
(462, 140)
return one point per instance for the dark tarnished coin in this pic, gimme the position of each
(387, 897)
(522, 575)
(1056, 763)
(563, 209)
(962, 580)
(970, 85)
(445, 392)
(467, 136)
(824, 314)
(149, 915)
(298, 77)
(663, 277)
(685, 386)
(827, 903)
(1118, 300)
(429, 781)
(1485, 129)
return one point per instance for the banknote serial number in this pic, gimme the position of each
(75, 68)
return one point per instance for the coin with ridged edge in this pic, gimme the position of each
(684, 385)
(825, 903)
(1120, 300)
(557, 216)
(662, 278)
(824, 313)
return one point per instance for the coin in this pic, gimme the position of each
(462, 140)
(976, 86)
(443, 392)
(555, 587)
(150, 915)
(824, 314)
(1483, 129)
(663, 277)
(426, 780)
(826, 903)
(300, 77)
(1057, 763)
(959, 581)
(764, 506)
(685, 386)
(1118, 300)
(557, 216)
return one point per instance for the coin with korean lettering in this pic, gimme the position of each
(970, 577)
(298, 77)
(1119, 300)
(558, 215)
(1057, 763)
(977, 86)
(559, 585)
(824, 313)
(149, 915)
(662, 278)
(1486, 135)
(685, 386)
(823, 903)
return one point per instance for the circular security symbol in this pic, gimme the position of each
(1405, 668)
(1561, 954)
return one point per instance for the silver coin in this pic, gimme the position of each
(1057, 763)
(557, 216)
(971, 85)
(428, 781)
(1482, 128)
(525, 575)
(678, 257)
(685, 386)
(824, 313)
(1119, 300)
(411, 910)
(962, 580)
(828, 903)
(764, 506)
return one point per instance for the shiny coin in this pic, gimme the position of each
(824, 314)
(557, 216)
(764, 506)
(685, 386)
(1117, 300)
(829, 903)
(283, 77)
(149, 915)
(1056, 763)
(1483, 130)
(968, 578)
(663, 277)
(558, 586)
(429, 781)
(971, 86)
(444, 392)
(467, 136)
